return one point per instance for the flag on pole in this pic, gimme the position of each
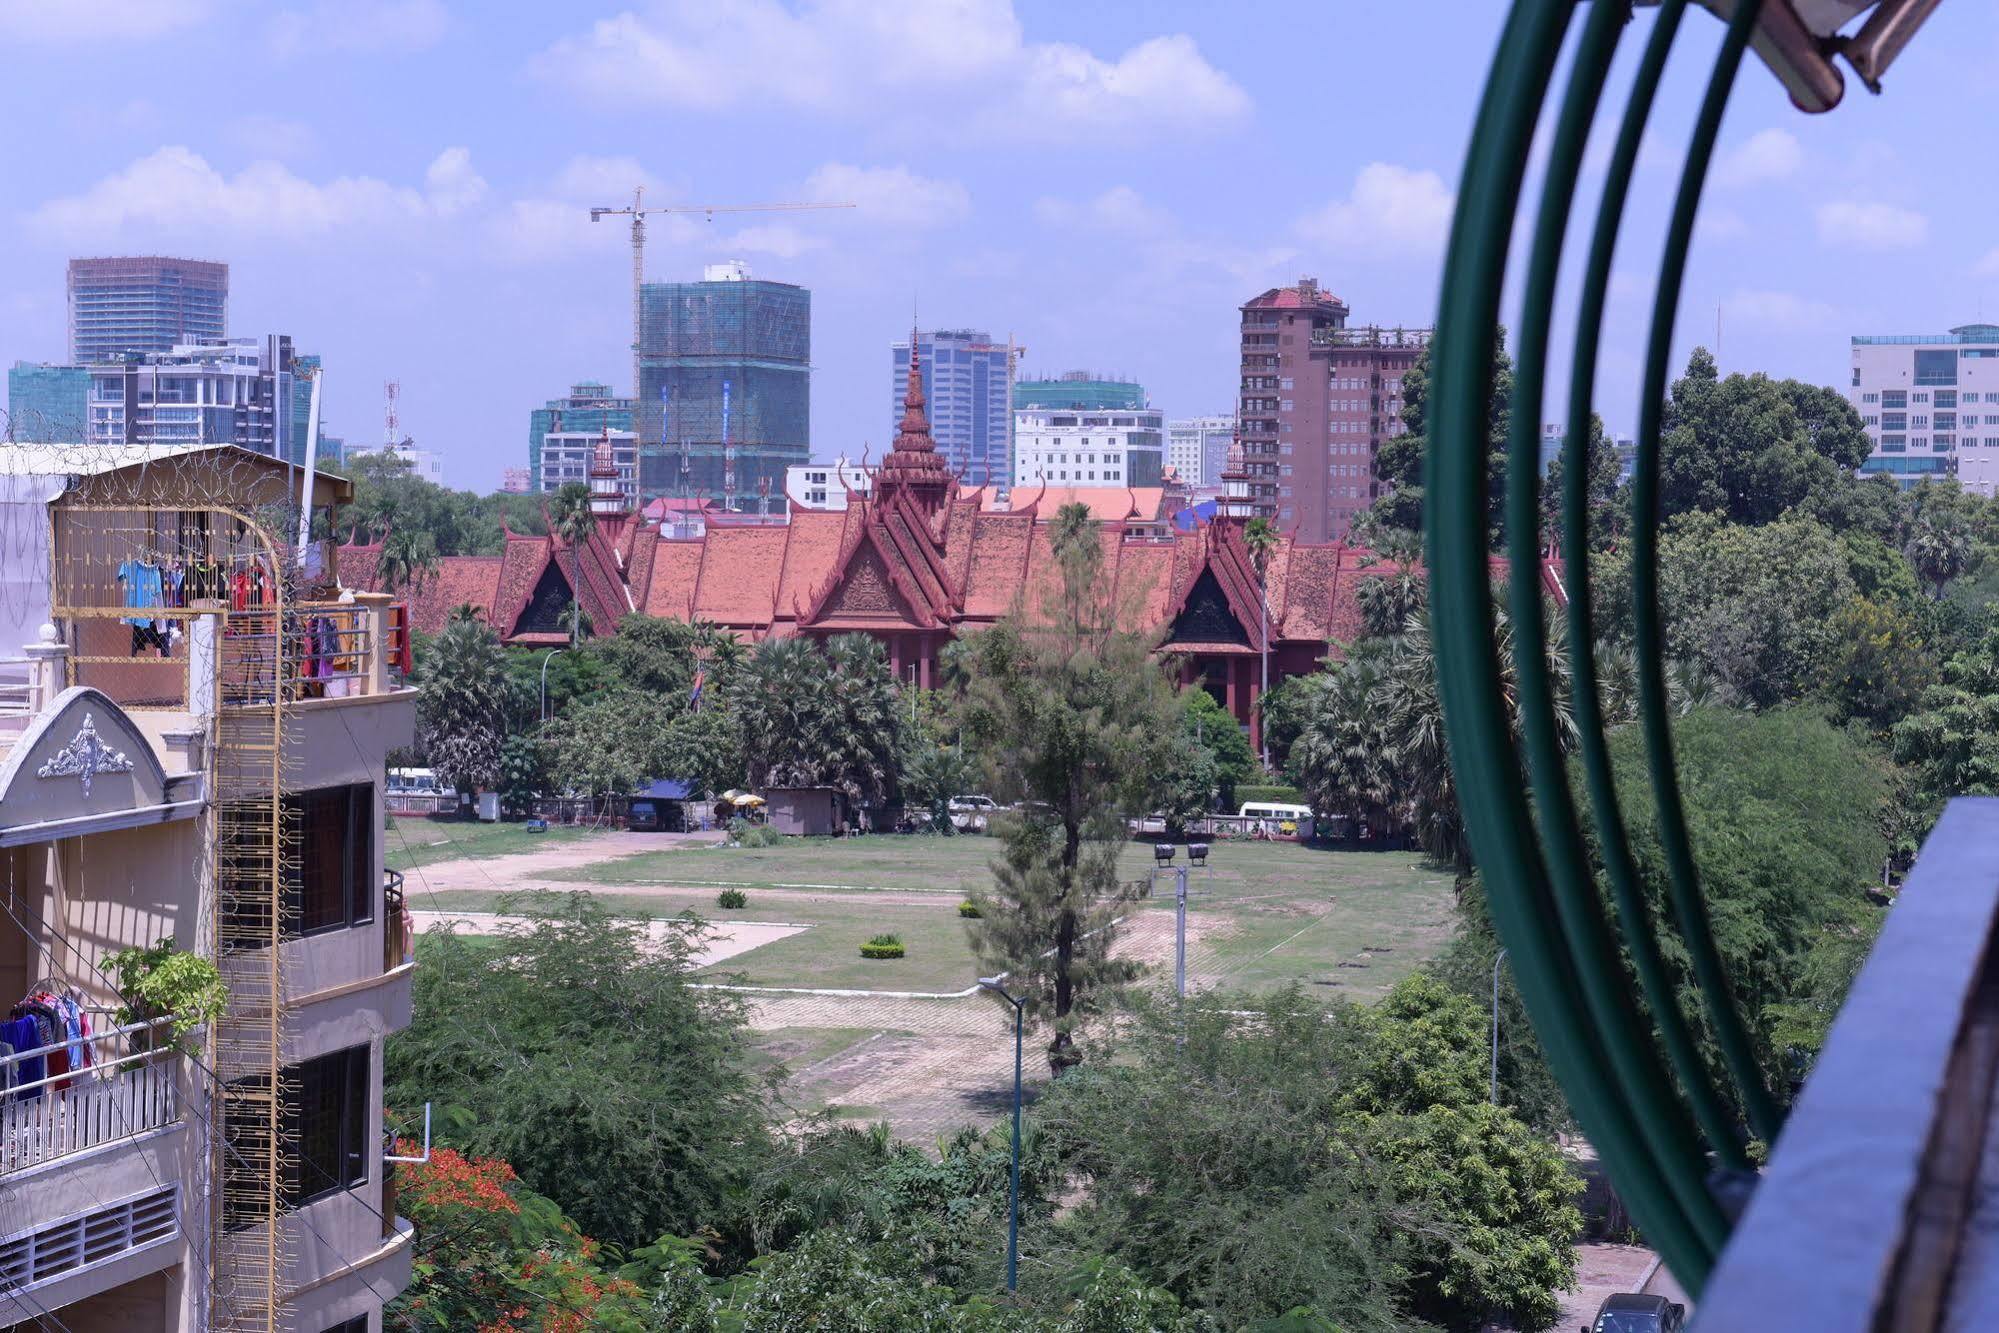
(700, 678)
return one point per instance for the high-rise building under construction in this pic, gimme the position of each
(724, 393)
(145, 303)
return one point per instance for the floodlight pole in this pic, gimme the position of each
(1013, 1188)
(545, 659)
(1180, 935)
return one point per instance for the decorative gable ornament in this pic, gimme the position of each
(84, 758)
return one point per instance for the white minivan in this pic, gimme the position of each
(1273, 810)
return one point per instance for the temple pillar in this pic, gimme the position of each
(895, 658)
(1229, 700)
(926, 651)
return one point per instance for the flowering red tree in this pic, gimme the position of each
(493, 1255)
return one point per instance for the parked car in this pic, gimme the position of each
(984, 805)
(1634, 1312)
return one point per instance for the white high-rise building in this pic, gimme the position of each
(235, 392)
(566, 456)
(827, 485)
(425, 464)
(1197, 448)
(1930, 404)
(1069, 448)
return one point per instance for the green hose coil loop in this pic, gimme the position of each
(1614, 847)
(1482, 754)
(1593, 953)
(1683, 880)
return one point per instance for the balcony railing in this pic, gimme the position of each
(398, 932)
(128, 1087)
(331, 650)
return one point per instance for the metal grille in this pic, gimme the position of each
(195, 609)
(81, 1242)
(256, 854)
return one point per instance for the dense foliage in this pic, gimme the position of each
(1280, 1153)
(576, 1050)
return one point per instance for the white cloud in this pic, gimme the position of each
(175, 190)
(392, 27)
(554, 223)
(893, 196)
(857, 58)
(774, 238)
(1391, 210)
(1766, 155)
(1871, 226)
(1777, 310)
(604, 180)
(67, 22)
(1988, 267)
(1160, 86)
(1719, 224)
(269, 136)
(1120, 209)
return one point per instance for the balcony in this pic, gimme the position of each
(398, 931)
(130, 1087)
(332, 650)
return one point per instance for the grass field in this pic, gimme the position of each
(1265, 914)
(420, 840)
(955, 865)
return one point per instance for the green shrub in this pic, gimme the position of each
(731, 900)
(970, 909)
(747, 834)
(1245, 793)
(883, 946)
(167, 982)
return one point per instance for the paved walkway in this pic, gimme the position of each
(1603, 1270)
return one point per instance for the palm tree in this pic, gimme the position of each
(1260, 536)
(1939, 548)
(569, 514)
(408, 557)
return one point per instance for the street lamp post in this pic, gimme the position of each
(1495, 1025)
(1013, 1189)
(545, 658)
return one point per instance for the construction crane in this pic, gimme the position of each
(637, 212)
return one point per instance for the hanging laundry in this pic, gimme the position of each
(141, 585)
(23, 1035)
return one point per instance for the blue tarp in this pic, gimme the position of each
(666, 789)
(1189, 519)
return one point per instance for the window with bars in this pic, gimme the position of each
(333, 888)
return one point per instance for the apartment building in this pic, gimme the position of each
(193, 733)
(1930, 404)
(1069, 448)
(237, 392)
(827, 485)
(1318, 400)
(567, 456)
(1197, 449)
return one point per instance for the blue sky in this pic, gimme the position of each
(402, 185)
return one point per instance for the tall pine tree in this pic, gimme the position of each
(1078, 722)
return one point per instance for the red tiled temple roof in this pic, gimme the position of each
(918, 556)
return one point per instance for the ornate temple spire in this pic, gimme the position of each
(913, 465)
